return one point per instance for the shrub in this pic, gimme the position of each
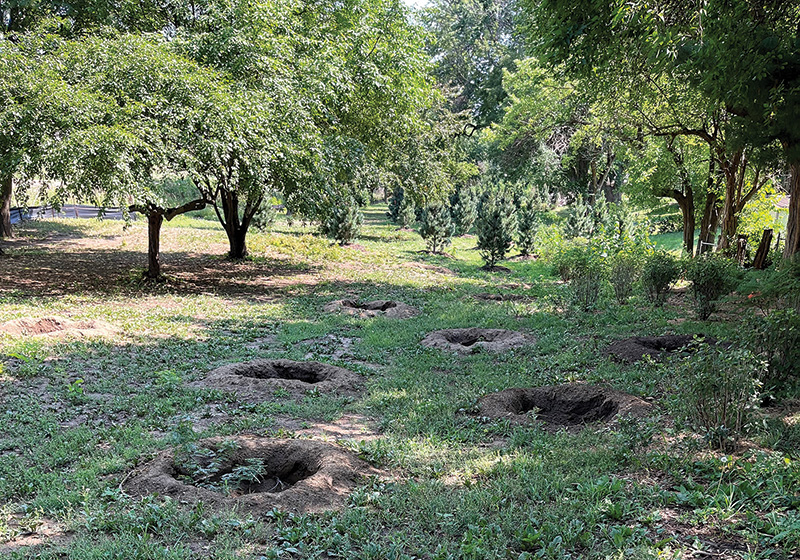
(463, 210)
(718, 390)
(527, 225)
(624, 270)
(435, 227)
(566, 259)
(588, 272)
(712, 276)
(265, 216)
(343, 223)
(660, 270)
(401, 209)
(495, 225)
(776, 338)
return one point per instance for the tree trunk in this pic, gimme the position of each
(708, 224)
(6, 190)
(235, 229)
(689, 225)
(762, 253)
(793, 226)
(154, 220)
(730, 218)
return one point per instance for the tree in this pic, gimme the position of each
(435, 227)
(463, 209)
(496, 225)
(739, 54)
(473, 42)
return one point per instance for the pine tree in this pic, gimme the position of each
(343, 222)
(496, 225)
(580, 220)
(436, 227)
(527, 225)
(401, 208)
(463, 209)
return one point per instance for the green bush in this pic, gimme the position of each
(718, 390)
(265, 216)
(776, 338)
(527, 226)
(586, 271)
(775, 331)
(566, 260)
(660, 270)
(343, 223)
(495, 226)
(463, 210)
(401, 209)
(436, 227)
(624, 270)
(712, 276)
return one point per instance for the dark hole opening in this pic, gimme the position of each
(560, 410)
(307, 373)
(371, 305)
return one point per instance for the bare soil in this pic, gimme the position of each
(258, 380)
(633, 349)
(569, 405)
(471, 340)
(386, 308)
(298, 476)
(57, 327)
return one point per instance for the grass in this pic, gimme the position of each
(78, 415)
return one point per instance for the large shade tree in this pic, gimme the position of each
(742, 54)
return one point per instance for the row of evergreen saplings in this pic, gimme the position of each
(500, 217)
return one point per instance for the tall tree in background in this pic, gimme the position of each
(742, 54)
(471, 43)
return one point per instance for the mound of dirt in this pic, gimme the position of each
(468, 341)
(387, 308)
(633, 349)
(568, 405)
(486, 296)
(57, 327)
(258, 380)
(254, 474)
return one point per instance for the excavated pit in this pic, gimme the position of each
(633, 349)
(56, 327)
(260, 380)
(254, 474)
(471, 340)
(386, 308)
(570, 405)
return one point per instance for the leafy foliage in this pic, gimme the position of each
(719, 389)
(659, 272)
(712, 276)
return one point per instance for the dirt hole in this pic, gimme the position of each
(370, 305)
(254, 474)
(262, 380)
(633, 349)
(56, 326)
(470, 340)
(307, 372)
(219, 469)
(569, 405)
(387, 308)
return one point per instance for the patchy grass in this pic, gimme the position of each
(77, 415)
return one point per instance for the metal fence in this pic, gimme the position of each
(66, 211)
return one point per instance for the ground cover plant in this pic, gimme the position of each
(80, 416)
